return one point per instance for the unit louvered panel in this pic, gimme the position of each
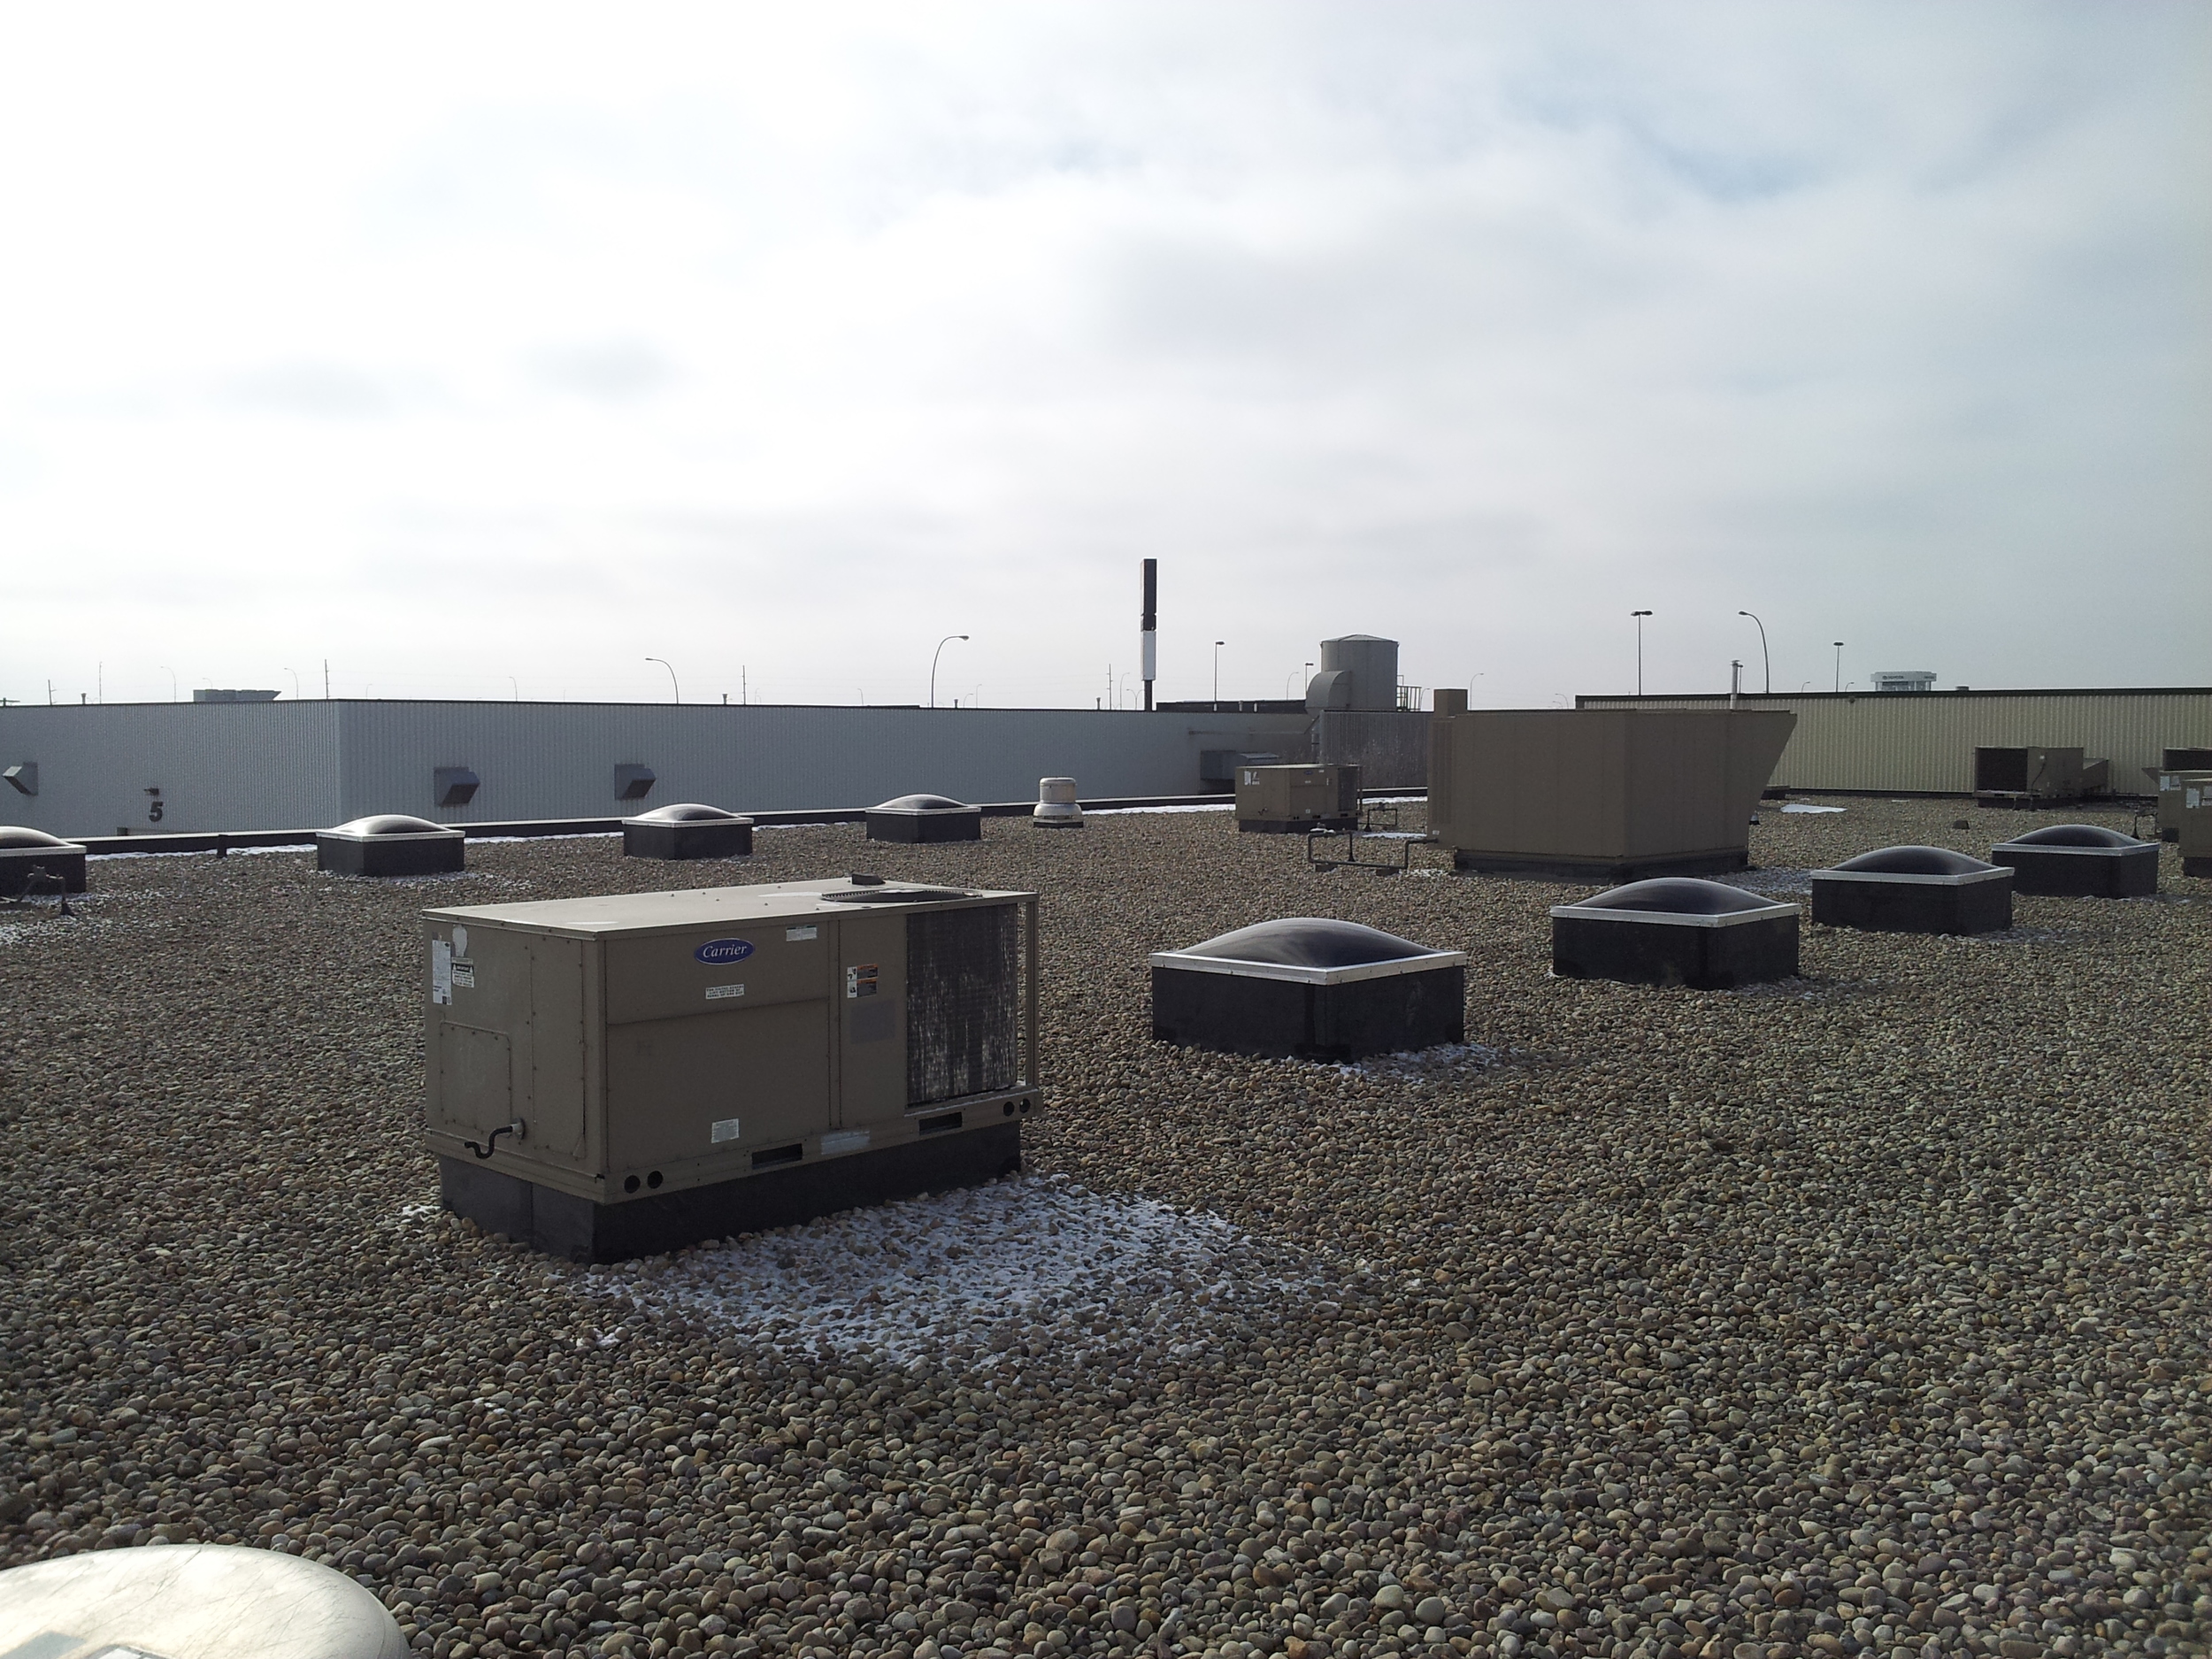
(962, 1002)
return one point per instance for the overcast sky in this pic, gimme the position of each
(485, 351)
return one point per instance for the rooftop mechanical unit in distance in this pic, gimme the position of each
(1600, 795)
(2194, 830)
(620, 1076)
(1914, 890)
(1291, 800)
(2033, 776)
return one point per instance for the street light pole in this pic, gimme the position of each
(1217, 645)
(1839, 665)
(1640, 616)
(1763, 658)
(672, 685)
(934, 655)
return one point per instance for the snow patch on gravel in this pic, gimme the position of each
(1447, 1057)
(1027, 1267)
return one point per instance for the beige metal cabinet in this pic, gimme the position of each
(729, 1044)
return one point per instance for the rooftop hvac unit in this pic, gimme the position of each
(1291, 800)
(1218, 767)
(2172, 783)
(687, 830)
(207, 694)
(1057, 807)
(924, 818)
(2023, 776)
(1905, 680)
(193, 1602)
(390, 844)
(619, 1076)
(2195, 830)
(1312, 989)
(2079, 861)
(1914, 890)
(24, 853)
(1601, 794)
(1675, 930)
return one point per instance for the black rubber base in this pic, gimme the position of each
(2196, 866)
(903, 826)
(2066, 873)
(373, 857)
(561, 1224)
(687, 840)
(1597, 868)
(1913, 907)
(1293, 826)
(1284, 1020)
(15, 870)
(1664, 953)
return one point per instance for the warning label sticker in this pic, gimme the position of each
(715, 993)
(724, 1129)
(441, 971)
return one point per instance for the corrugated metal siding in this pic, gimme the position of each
(557, 760)
(282, 765)
(1924, 742)
(279, 760)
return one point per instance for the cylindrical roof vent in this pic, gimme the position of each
(1057, 805)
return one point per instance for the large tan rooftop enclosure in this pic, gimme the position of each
(1602, 795)
(613, 1077)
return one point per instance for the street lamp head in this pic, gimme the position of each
(1639, 613)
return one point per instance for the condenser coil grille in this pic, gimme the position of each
(962, 1002)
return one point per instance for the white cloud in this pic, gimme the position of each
(754, 337)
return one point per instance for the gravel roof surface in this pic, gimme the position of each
(1863, 1312)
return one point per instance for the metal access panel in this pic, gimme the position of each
(1601, 794)
(1279, 800)
(699, 1057)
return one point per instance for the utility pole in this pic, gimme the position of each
(1640, 616)
(1149, 628)
(1217, 645)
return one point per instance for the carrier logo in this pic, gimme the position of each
(717, 951)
